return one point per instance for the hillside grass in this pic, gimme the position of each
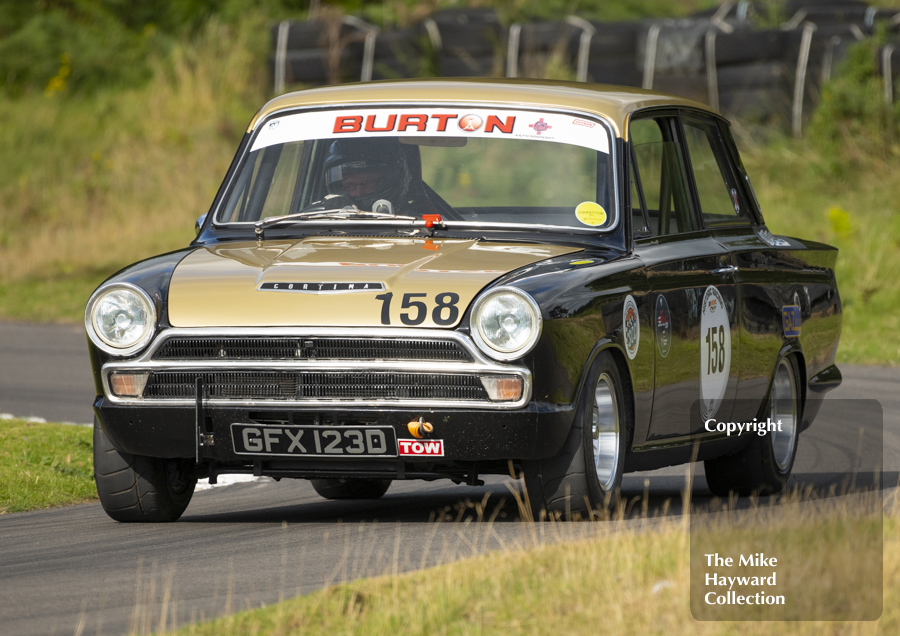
(858, 211)
(95, 182)
(634, 580)
(43, 465)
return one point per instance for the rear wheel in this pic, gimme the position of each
(587, 471)
(764, 467)
(351, 488)
(136, 488)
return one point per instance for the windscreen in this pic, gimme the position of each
(484, 166)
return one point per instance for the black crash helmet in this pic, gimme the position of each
(367, 170)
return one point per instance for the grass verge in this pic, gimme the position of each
(624, 581)
(855, 209)
(44, 465)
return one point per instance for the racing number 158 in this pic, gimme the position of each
(445, 311)
(715, 350)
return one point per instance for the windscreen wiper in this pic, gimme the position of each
(346, 212)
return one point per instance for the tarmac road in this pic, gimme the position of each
(45, 372)
(73, 570)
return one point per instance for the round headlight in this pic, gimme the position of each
(506, 323)
(120, 318)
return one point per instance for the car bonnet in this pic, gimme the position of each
(340, 281)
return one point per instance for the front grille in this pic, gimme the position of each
(316, 385)
(289, 348)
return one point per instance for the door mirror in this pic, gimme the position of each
(198, 224)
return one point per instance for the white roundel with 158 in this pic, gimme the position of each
(631, 323)
(715, 351)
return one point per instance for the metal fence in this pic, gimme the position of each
(772, 75)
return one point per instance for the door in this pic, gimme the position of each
(765, 268)
(691, 282)
(721, 211)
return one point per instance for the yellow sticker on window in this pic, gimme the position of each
(590, 213)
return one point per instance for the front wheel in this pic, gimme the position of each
(587, 472)
(136, 488)
(766, 465)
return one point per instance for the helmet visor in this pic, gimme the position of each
(356, 178)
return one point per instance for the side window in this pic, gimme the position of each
(639, 223)
(660, 177)
(749, 199)
(718, 195)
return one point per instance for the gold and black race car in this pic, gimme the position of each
(449, 279)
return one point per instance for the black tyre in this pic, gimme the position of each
(615, 71)
(754, 76)
(748, 47)
(351, 488)
(136, 488)
(615, 38)
(764, 467)
(587, 472)
(476, 31)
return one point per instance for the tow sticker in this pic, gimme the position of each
(715, 351)
(631, 323)
(423, 448)
(590, 213)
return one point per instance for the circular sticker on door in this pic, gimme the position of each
(631, 324)
(663, 326)
(715, 351)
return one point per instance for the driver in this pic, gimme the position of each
(366, 170)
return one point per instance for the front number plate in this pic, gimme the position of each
(319, 441)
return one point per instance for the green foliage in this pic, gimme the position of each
(404, 12)
(769, 14)
(852, 122)
(602, 11)
(59, 50)
(82, 46)
(44, 465)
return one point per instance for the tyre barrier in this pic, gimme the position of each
(465, 42)
(717, 57)
(613, 56)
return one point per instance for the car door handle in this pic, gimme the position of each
(724, 271)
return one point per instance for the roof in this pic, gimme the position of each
(615, 103)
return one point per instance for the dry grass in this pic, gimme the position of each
(626, 579)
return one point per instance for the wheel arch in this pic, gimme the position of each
(621, 361)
